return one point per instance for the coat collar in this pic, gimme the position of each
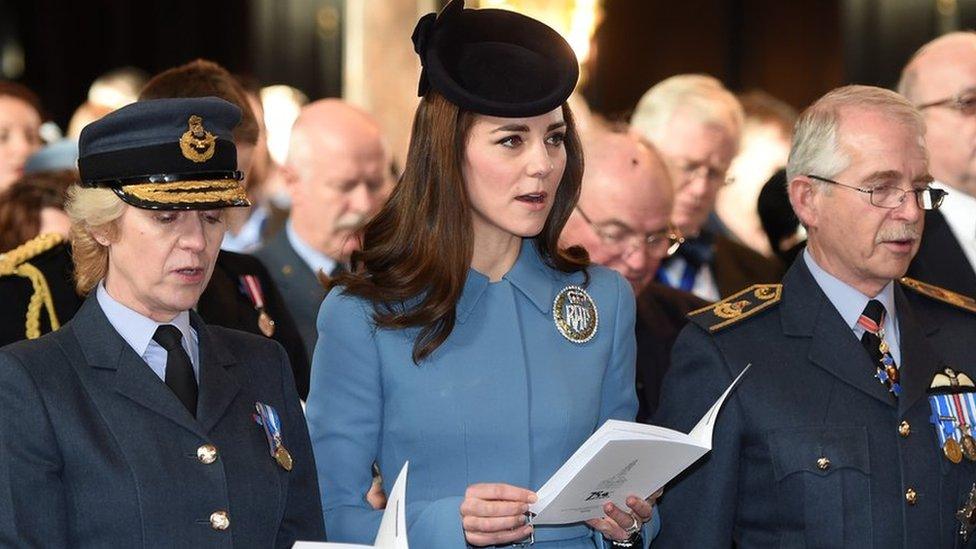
(806, 312)
(529, 275)
(104, 349)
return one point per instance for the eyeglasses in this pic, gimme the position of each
(964, 102)
(626, 240)
(887, 196)
(714, 176)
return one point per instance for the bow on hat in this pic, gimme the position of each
(425, 30)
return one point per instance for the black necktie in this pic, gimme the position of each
(179, 370)
(872, 320)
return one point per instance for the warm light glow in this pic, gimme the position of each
(574, 19)
(281, 106)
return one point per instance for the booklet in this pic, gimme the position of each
(620, 459)
(393, 527)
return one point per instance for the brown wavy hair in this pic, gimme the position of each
(22, 202)
(417, 250)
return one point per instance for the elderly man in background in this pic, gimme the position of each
(852, 427)
(696, 125)
(941, 81)
(623, 220)
(337, 175)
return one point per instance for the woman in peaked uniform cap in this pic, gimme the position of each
(466, 341)
(136, 424)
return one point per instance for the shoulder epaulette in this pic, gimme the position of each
(940, 294)
(16, 262)
(737, 307)
(9, 261)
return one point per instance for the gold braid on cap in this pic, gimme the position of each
(14, 263)
(183, 192)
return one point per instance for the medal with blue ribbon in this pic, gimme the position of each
(268, 418)
(952, 398)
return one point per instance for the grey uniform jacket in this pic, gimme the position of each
(96, 451)
(810, 394)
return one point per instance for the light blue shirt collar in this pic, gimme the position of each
(850, 303)
(248, 238)
(137, 330)
(316, 260)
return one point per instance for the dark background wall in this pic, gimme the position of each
(795, 50)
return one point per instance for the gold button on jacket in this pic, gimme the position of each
(207, 454)
(219, 520)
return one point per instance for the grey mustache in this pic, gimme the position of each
(903, 232)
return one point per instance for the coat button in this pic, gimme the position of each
(904, 429)
(910, 496)
(207, 454)
(219, 520)
(823, 464)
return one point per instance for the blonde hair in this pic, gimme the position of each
(91, 210)
(699, 95)
(816, 148)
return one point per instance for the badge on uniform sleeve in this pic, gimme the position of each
(952, 398)
(575, 314)
(251, 287)
(268, 418)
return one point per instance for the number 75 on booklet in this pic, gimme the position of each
(620, 459)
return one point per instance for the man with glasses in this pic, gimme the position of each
(941, 81)
(696, 125)
(623, 220)
(854, 425)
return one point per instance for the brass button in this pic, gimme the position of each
(219, 520)
(207, 454)
(910, 496)
(823, 464)
(904, 429)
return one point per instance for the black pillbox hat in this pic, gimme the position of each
(494, 62)
(165, 154)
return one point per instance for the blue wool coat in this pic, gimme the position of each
(506, 398)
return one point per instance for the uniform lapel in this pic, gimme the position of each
(104, 349)
(808, 313)
(919, 361)
(217, 386)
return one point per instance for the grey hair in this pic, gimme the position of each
(700, 95)
(816, 148)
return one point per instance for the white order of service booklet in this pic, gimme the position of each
(620, 459)
(393, 527)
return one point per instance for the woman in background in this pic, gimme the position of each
(20, 126)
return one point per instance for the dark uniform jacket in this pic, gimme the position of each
(940, 259)
(811, 450)
(301, 288)
(661, 314)
(16, 291)
(225, 303)
(96, 451)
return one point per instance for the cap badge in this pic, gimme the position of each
(575, 314)
(197, 144)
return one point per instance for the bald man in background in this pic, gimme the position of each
(336, 173)
(940, 80)
(623, 220)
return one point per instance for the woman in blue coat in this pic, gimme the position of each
(466, 341)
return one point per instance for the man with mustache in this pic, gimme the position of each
(337, 175)
(854, 425)
(941, 81)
